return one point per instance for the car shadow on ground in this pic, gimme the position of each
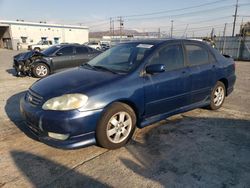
(11, 71)
(194, 152)
(42, 172)
(12, 109)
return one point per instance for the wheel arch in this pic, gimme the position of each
(44, 62)
(225, 82)
(133, 106)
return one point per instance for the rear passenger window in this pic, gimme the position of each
(171, 56)
(196, 55)
(81, 50)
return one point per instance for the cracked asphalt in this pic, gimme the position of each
(200, 148)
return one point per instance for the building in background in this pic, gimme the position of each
(19, 34)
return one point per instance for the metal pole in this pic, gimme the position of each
(235, 15)
(110, 32)
(121, 27)
(239, 45)
(113, 29)
(172, 28)
(159, 32)
(224, 38)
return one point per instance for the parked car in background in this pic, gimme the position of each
(104, 46)
(131, 84)
(58, 57)
(42, 45)
(95, 45)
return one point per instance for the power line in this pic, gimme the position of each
(202, 21)
(189, 23)
(96, 25)
(155, 13)
(174, 10)
(187, 13)
(203, 27)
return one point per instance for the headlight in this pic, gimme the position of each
(66, 102)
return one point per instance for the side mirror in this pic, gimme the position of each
(155, 68)
(59, 54)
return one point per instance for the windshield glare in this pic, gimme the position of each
(121, 58)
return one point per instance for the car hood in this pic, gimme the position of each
(76, 80)
(27, 55)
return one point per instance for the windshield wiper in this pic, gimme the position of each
(104, 68)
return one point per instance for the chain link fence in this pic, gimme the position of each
(237, 47)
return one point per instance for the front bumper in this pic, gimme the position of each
(80, 126)
(20, 69)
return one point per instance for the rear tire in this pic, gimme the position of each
(40, 70)
(116, 126)
(218, 96)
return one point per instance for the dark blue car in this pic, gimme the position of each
(130, 85)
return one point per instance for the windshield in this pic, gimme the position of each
(121, 58)
(51, 50)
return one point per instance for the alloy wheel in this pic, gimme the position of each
(119, 127)
(219, 96)
(41, 70)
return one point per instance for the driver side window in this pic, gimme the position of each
(170, 55)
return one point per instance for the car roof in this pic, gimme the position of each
(160, 41)
(70, 44)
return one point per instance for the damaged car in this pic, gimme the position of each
(53, 59)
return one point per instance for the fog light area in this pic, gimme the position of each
(58, 136)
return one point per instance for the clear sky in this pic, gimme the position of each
(189, 17)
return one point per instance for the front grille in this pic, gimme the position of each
(34, 98)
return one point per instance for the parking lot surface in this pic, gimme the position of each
(200, 148)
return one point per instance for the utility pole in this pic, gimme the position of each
(212, 34)
(121, 25)
(172, 28)
(235, 15)
(110, 27)
(113, 28)
(185, 32)
(224, 38)
(159, 32)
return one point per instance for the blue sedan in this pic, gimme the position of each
(131, 85)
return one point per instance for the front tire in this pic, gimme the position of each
(40, 70)
(116, 126)
(217, 96)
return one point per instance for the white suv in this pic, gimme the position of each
(40, 45)
(95, 45)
